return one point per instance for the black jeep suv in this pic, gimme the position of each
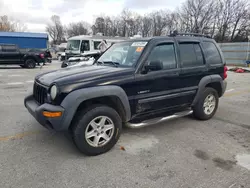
(11, 55)
(134, 83)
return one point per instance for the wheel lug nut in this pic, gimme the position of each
(102, 132)
(98, 134)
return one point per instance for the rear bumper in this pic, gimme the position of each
(224, 87)
(36, 111)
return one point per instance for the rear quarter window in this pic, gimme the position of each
(9, 48)
(212, 54)
(96, 43)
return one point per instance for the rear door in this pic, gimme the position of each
(10, 54)
(193, 68)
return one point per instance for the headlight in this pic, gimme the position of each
(53, 92)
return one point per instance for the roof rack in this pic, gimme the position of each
(176, 33)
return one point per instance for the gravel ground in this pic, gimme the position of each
(178, 153)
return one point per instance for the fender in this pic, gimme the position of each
(28, 56)
(75, 98)
(204, 81)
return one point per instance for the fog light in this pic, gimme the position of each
(52, 114)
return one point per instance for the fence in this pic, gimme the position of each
(236, 53)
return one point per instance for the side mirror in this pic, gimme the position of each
(153, 66)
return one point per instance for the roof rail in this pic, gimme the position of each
(176, 33)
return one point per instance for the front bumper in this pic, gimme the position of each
(37, 110)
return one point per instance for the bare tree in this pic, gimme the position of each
(160, 20)
(19, 26)
(225, 20)
(99, 26)
(6, 24)
(146, 26)
(55, 29)
(197, 15)
(79, 28)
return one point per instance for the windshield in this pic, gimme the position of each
(124, 53)
(73, 45)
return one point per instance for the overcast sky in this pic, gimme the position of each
(36, 13)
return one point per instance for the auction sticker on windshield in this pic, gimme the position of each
(139, 44)
(139, 49)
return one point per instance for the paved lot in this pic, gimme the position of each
(179, 153)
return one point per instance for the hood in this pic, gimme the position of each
(81, 74)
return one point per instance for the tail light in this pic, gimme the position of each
(42, 56)
(225, 72)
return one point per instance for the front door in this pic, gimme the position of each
(85, 46)
(159, 90)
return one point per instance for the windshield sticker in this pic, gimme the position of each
(140, 44)
(139, 49)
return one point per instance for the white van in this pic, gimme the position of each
(85, 44)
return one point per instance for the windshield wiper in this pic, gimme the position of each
(116, 64)
(100, 62)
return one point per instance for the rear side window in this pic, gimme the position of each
(96, 43)
(191, 55)
(9, 48)
(211, 53)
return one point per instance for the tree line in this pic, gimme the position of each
(11, 25)
(223, 20)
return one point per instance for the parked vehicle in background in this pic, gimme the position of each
(136, 83)
(46, 52)
(11, 55)
(61, 52)
(81, 60)
(85, 44)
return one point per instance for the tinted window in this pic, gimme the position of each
(211, 53)
(199, 55)
(9, 48)
(164, 53)
(191, 55)
(85, 45)
(73, 45)
(96, 43)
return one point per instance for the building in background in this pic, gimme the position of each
(25, 40)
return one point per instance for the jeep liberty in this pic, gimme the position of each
(135, 83)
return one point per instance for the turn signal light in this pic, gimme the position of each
(52, 114)
(225, 72)
(42, 56)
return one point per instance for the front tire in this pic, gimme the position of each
(207, 105)
(96, 130)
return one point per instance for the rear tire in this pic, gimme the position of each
(30, 63)
(96, 130)
(207, 105)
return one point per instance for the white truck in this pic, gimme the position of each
(85, 44)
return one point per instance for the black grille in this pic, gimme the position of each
(39, 93)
